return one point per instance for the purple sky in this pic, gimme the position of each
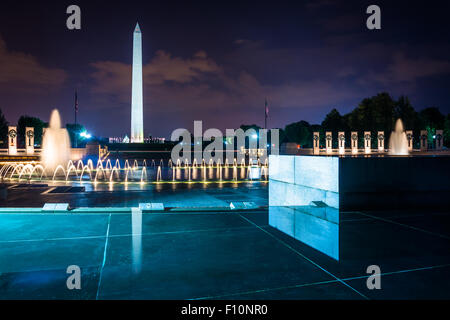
(217, 62)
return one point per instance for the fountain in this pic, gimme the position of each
(56, 166)
(139, 172)
(56, 143)
(398, 143)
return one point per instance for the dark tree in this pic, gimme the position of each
(377, 113)
(410, 117)
(245, 127)
(334, 122)
(431, 119)
(74, 130)
(447, 131)
(405, 111)
(248, 139)
(3, 129)
(282, 136)
(299, 132)
(27, 121)
(373, 114)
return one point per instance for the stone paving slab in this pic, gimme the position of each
(217, 255)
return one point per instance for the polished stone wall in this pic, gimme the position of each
(298, 180)
(394, 182)
(354, 183)
(317, 227)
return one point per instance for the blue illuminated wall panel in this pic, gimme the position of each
(297, 180)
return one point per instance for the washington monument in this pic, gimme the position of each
(137, 122)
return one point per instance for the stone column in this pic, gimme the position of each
(380, 139)
(354, 142)
(29, 140)
(367, 142)
(341, 142)
(329, 142)
(439, 139)
(316, 143)
(410, 139)
(12, 140)
(423, 140)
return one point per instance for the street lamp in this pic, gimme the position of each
(85, 135)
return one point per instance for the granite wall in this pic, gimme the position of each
(356, 183)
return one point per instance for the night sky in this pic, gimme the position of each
(216, 61)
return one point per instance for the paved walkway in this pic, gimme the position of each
(172, 195)
(221, 255)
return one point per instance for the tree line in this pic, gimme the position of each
(38, 125)
(377, 113)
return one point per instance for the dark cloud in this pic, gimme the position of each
(217, 63)
(319, 4)
(22, 72)
(405, 69)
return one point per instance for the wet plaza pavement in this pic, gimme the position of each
(214, 255)
(120, 195)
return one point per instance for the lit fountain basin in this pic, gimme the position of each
(140, 172)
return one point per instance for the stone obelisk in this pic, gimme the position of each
(137, 121)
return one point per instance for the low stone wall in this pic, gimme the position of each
(395, 182)
(77, 153)
(298, 180)
(353, 183)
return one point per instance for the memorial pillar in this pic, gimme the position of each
(316, 143)
(354, 142)
(29, 140)
(367, 142)
(12, 140)
(410, 139)
(341, 142)
(329, 142)
(439, 139)
(423, 140)
(380, 139)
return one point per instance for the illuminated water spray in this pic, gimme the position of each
(56, 143)
(398, 143)
(134, 171)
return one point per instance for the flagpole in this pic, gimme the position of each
(265, 113)
(265, 119)
(76, 111)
